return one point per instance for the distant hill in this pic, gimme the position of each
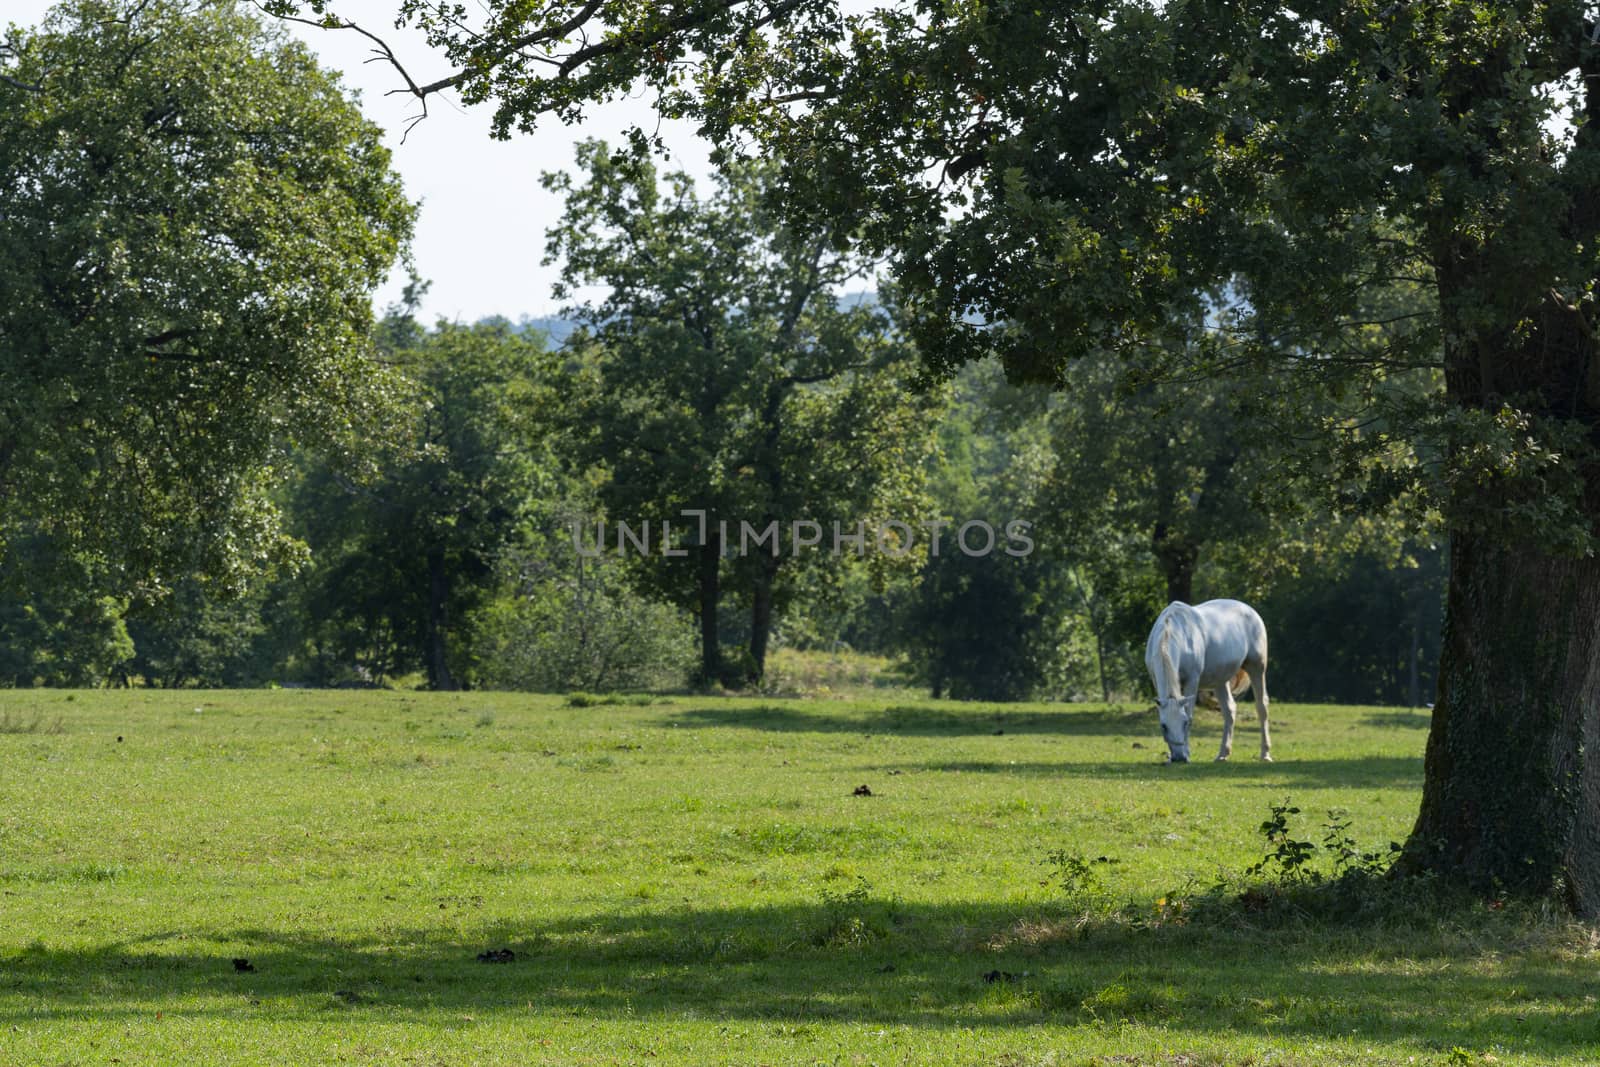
(558, 329)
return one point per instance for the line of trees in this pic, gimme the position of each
(444, 553)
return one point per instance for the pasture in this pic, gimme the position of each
(694, 881)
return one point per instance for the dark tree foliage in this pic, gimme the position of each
(983, 628)
(199, 635)
(1359, 631)
(407, 541)
(55, 628)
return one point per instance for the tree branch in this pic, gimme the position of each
(489, 55)
(6, 79)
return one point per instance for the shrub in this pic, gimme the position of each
(596, 640)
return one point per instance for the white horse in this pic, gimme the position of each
(1220, 645)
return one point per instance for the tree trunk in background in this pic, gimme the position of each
(771, 468)
(710, 581)
(1414, 676)
(1097, 628)
(439, 676)
(761, 616)
(1176, 558)
(1100, 665)
(1509, 798)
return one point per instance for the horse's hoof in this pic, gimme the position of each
(1266, 757)
(1220, 759)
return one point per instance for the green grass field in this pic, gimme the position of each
(693, 882)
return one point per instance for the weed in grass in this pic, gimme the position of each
(77, 874)
(1287, 860)
(1077, 876)
(1298, 882)
(15, 723)
(850, 918)
(1128, 1000)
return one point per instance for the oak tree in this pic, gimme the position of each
(193, 215)
(728, 379)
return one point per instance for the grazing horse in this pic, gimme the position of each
(1221, 645)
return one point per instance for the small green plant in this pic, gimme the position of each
(1292, 880)
(1174, 907)
(1077, 876)
(1288, 859)
(1348, 857)
(847, 921)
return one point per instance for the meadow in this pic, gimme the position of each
(311, 877)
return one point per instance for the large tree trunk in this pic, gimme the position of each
(439, 676)
(710, 581)
(1509, 798)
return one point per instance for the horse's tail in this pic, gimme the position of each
(1240, 683)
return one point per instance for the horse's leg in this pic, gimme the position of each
(1226, 702)
(1258, 686)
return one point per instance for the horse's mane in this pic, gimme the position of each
(1174, 684)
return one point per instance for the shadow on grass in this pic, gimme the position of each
(917, 720)
(1413, 720)
(854, 961)
(1365, 772)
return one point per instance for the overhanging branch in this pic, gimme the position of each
(486, 54)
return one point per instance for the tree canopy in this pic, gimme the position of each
(730, 380)
(409, 542)
(193, 216)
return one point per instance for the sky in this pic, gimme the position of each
(480, 232)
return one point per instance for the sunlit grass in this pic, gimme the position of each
(696, 882)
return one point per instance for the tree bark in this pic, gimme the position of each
(439, 676)
(761, 616)
(1509, 798)
(710, 581)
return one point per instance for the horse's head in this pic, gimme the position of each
(1177, 712)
